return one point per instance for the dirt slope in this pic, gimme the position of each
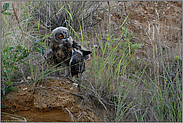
(53, 101)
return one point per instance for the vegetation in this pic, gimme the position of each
(133, 88)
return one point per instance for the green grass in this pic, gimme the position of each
(21, 52)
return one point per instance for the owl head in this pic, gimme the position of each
(60, 35)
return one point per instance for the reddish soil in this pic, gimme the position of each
(53, 101)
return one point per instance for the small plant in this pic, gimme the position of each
(5, 7)
(127, 37)
(5, 90)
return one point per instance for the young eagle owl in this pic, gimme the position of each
(61, 45)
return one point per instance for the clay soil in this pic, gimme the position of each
(53, 100)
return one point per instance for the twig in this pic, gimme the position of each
(17, 18)
(75, 94)
(70, 114)
(96, 94)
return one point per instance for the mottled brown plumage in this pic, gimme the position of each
(62, 54)
(61, 51)
(61, 48)
(77, 62)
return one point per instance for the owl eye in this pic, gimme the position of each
(61, 36)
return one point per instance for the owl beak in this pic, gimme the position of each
(67, 39)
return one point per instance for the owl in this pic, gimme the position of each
(62, 45)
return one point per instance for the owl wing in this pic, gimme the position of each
(75, 45)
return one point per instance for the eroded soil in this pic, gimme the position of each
(53, 100)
